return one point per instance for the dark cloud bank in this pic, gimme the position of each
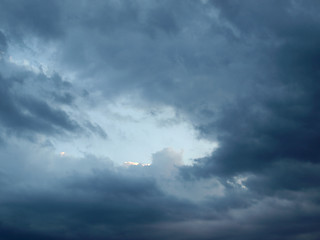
(244, 73)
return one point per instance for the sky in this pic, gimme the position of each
(173, 119)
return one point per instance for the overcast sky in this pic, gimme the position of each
(171, 119)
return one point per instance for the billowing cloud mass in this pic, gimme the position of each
(159, 119)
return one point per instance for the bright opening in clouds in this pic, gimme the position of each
(139, 133)
(173, 119)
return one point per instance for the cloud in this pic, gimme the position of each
(166, 161)
(243, 74)
(34, 103)
(3, 44)
(271, 124)
(22, 19)
(84, 197)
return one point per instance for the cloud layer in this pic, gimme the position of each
(243, 74)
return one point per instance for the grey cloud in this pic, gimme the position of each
(9, 233)
(22, 18)
(120, 203)
(164, 45)
(285, 175)
(100, 203)
(31, 104)
(244, 73)
(276, 121)
(286, 21)
(26, 113)
(97, 205)
(3, 43)
(95, 128)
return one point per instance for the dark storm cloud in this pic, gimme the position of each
(154, 49)
(8, 233)
(286, 175)
(30, 104)
(271, 134)
(3, 43)
(20, 18)
(20, 113)
(110, 204)
(244, 73)
(279, 121)
(102, 204)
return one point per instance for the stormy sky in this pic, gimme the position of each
(171, 119)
